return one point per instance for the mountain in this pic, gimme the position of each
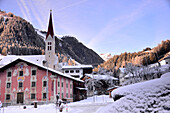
(19, 37)
(145, 57)
(70, 46)
(106, 56)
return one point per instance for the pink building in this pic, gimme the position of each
(22, 81)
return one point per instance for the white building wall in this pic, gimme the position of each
(74, 72)
(50, 54)
(164, 62)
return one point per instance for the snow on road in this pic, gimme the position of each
(85, 106)
(152, 96)
(89, 106)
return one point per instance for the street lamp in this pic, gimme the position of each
(93, 88)
(57, 97)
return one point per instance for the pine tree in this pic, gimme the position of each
(4, 51)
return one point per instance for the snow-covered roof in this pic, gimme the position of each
(80, 88)
(89, 75)
(112, 87)
(38, 59)
(101, 77)
(168, 57)
(129, 75)
(122, 70)
(49, 69)
(77, 67)
(166, 75)
(104, 77)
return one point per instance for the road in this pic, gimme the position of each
(86, 108)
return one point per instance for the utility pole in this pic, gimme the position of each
(93, 89)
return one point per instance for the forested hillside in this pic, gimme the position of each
(145, 57)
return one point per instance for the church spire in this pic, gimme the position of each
(50, 26)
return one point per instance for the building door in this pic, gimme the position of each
(20, 97)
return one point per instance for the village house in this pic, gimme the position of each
(77, 71)
(24, 79)
(111, 89)
(165, 61)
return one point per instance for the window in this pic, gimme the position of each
(71, 96)
(20, 84)
(166, 62)
(71, 71)
(70, 86)
(44, 83)
(9, 74)
(33, 72)
(21, 73)
(49, 45)
(8, 85)
(67, 95)
(77, 71)
(58, 84)
(7, 96)
(66, 85)
(44, 95)
(62, 95)
(62, 84)
(33, 96)
(66, 71)
(33, 84)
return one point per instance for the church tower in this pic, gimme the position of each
(50, 44)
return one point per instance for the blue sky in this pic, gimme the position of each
(114, 26)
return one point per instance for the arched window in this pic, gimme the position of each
(49, 45)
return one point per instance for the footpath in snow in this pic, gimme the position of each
(152, 96)
(84, 106)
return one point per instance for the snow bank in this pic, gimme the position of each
(166, 75)
(150, 96)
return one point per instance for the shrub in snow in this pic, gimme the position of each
(134, 74)
(166, 75)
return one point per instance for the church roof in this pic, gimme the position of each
(50, 26)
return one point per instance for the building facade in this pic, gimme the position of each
(24, 82)
(77, 71)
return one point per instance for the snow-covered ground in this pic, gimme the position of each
(150, 96)
(85, 106)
